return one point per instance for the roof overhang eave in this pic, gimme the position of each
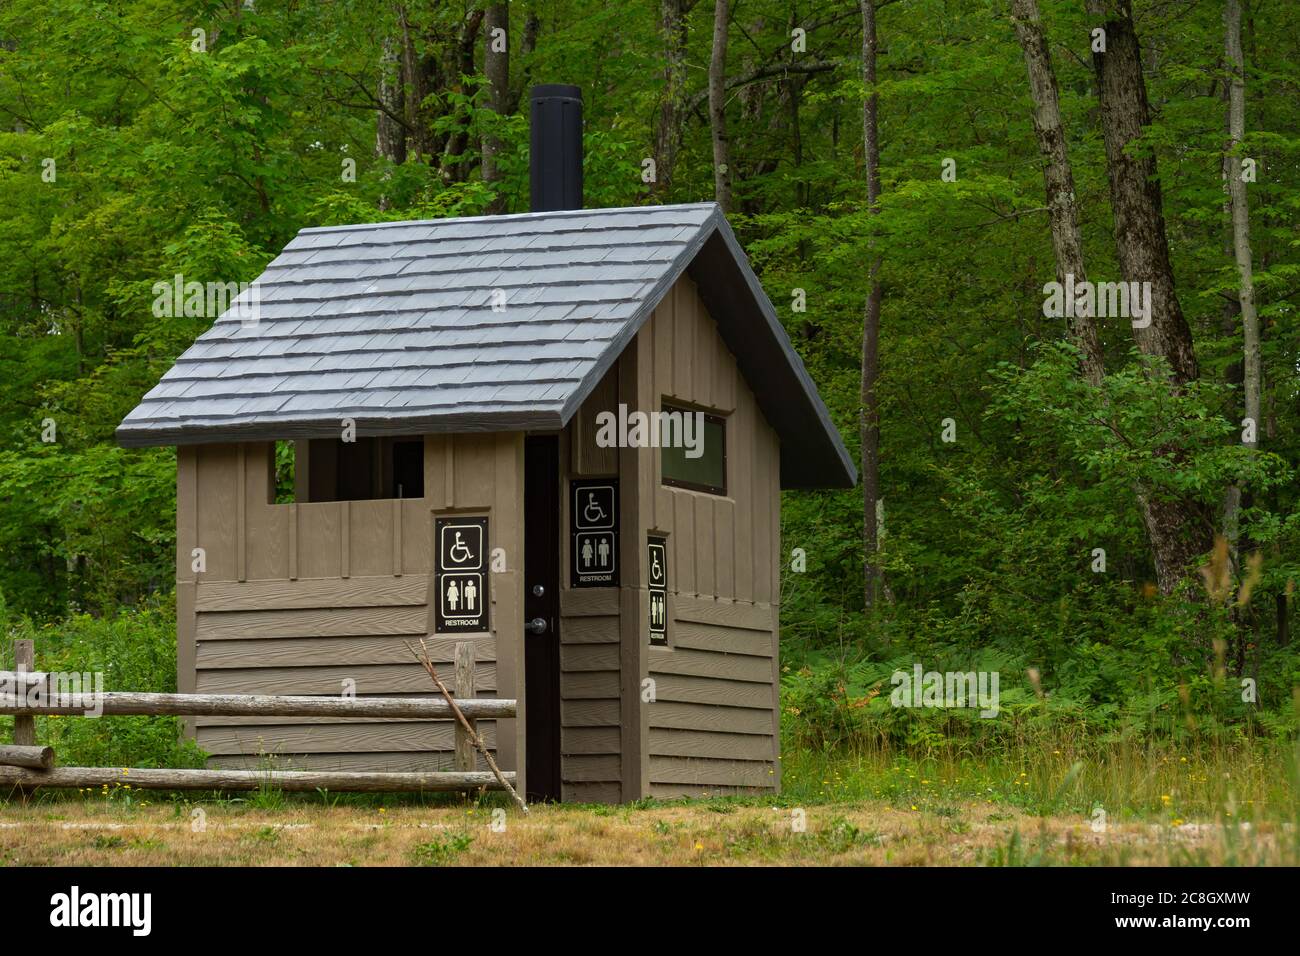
(157, 435)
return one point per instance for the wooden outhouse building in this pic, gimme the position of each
(476, 411)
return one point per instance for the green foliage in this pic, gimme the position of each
(285, 469)
(84, 528)
(168, 160)
(443, 850)
(133, 651)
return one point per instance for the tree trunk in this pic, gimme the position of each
(1135, 189)
(1282, 606)
(496, 62)
(1241, 218)
(420, 75)
(1058, 177)
(527, 44)
(461, 55)
(532, 27)
(717, 105)
(1230, 310)
(869, 425)
(390, 135)
(1177, 528)
(668, 136)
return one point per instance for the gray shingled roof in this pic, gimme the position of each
(393, 325)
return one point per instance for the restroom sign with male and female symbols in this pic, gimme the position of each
(657, 578)
(461, 575)
(593, 538)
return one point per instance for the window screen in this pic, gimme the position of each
(682, 438)
(365, 469)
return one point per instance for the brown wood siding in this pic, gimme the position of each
(590, 741)
(297, 598)
(714, 725)
(373, 761)
(300, 598)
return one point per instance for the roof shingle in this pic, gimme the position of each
(483, 324)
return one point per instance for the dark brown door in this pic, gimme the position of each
(542, 615)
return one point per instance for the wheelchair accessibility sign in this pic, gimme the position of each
(593, 533)
(461, 575)
(657, 574)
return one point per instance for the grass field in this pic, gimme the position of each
(699, 834)
(1216, 806)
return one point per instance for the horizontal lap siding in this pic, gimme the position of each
(373, 762)
(312, 622)
(328, 651)
(590, 724)
(589, 710)
(266, 637)
(589, 696)
(377, 680)
(329, 592)
(714, 723)
(711, 725)
(325, 597)
(406, 737)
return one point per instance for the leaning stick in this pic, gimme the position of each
(423, 658)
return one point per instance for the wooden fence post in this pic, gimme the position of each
(24, 660)
(465, 690)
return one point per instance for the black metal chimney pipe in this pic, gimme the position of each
(555, 160)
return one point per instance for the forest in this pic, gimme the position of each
(1039, 256)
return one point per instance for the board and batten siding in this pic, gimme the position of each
(323, 597)
(714, 725)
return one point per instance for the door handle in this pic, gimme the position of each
(536, 626)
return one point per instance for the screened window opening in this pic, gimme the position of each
(324, 469)
(694, 450)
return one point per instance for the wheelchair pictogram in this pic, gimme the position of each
(593, 507)
(461, 547)
(460, 552)
(656, 566)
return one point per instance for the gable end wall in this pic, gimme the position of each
(714, 725)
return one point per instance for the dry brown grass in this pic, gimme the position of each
(94, 833)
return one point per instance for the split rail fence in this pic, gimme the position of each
(26, 764)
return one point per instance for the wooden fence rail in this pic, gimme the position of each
(121, 703)
(125, 703)
(26, 693)
(295, 780)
